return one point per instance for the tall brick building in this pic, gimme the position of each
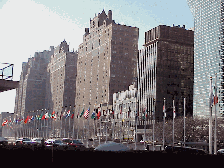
(62, 71)
(107, 61)
(166, 70)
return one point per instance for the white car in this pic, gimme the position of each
(220, 152)
(36, 141)
(49, 142)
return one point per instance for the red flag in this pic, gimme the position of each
(215, 100)
(5, 122)
(72, 115)
(27, 118)
(121, 110)
(98, 115)
(43, 117)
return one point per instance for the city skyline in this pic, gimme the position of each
(53, 24)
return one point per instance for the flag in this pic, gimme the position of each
(86, 114)
(82, 113)
(5, 122)
(215, 97)
(68, 114)
(43, 117)
(46, 115)
(174, 111)
(53, 114)
(72, 116)
(164, 110)
(93, 115)
(112, 112)
(26, 120)
(98, 115)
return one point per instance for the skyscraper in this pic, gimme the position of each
(106, 61)
(165, 70)
(32, 86)
(208, 53)
(61, 84)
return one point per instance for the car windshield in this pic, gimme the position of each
(76, 141)
(57, 141)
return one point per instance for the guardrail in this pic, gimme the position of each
(6, 71)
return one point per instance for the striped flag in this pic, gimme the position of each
(164, 110)
(86, 114)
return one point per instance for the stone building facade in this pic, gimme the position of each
(31, 93)
(107, 61)
(62, 72)
(166, 70)
(125, 108)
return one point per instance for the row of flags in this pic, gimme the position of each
(95, 114)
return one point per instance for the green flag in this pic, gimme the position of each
(93, 115)
(82, 113)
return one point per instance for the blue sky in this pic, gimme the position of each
(28, 26)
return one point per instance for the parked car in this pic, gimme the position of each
(220, 152)
(76, 144)
(66, 140)
(36, 141)
(184, 150)
(49, 142)
(23, 141)
(57, 143)
(3, 141)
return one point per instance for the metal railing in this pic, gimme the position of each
(6, 71)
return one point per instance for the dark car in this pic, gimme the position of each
(23, 141)
(3, 141)
(184, 150)
(66, 140)
(57, 143)
(76, 144)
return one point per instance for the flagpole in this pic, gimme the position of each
(136, 118)
(173, 121)
(100, 121)
(69, 121)
(145, 126)
(153, 124)
(164, 113)
(215, 102)
(78, 123)
(88, 129)
(73, 127)
(184, 119)
(210, 118)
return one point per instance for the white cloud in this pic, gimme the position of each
(27, 27)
